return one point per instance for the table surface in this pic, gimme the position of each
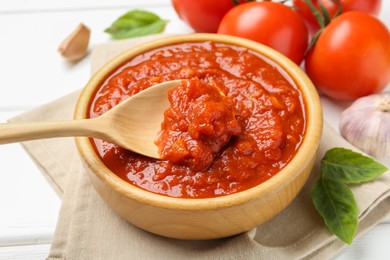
(31, 32)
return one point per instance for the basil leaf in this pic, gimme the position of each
(136, 23)
(350, 167)
(153, 28)
(332, 197)
(135, 19)
(336, 204)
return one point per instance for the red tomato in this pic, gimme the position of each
(369, 6)
(270, 23)
(202, 15)
(351, 58)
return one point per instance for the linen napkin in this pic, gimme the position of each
(88, 229)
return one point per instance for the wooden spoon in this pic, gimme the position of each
(133, 124)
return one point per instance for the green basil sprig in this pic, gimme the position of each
(332, 197)
(136, 23)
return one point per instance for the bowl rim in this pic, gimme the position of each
(307, 149)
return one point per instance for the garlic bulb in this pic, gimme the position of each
(366, 124)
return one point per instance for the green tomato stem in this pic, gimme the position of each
(339, 10)
(318, 15)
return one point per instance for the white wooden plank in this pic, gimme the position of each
(22, 6)
(372, 245)
(25, 252)
(5, 115)
(27, 234)
(29, 206)
(32, 72)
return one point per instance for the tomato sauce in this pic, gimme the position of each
(198, 126)
(235, 123)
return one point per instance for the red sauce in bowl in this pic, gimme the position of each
(224, 143)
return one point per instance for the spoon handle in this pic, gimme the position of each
(27, 131)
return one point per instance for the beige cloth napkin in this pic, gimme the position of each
(88, 229)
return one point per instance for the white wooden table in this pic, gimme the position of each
(30, 32)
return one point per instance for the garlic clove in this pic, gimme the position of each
(75, 46)
(366, 124)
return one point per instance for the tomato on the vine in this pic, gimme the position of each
(202, 15)
(369, 6)
(270, 23)
(351, 57)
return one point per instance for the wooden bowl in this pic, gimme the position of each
(207, 218)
